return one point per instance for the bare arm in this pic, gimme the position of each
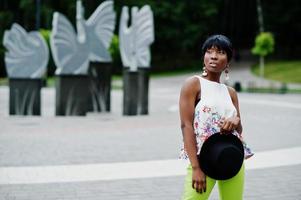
(187, 100)
(189, 93)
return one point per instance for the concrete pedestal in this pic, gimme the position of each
(99, 99)
(130, 92)
(71, 94)
(25, 96)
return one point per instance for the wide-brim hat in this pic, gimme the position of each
(221, 156)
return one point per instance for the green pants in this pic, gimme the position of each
(231, 189)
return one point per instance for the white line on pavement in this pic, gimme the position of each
(132, 170)
(272, 103)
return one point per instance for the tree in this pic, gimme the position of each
(264, 45)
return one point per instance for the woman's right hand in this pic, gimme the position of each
(198, 180)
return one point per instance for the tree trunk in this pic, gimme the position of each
(260, 17)
(261, 61)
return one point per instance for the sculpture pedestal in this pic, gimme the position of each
(99, 98)
(143, 85)
(71, 94)
(130, 91)
(25, 96)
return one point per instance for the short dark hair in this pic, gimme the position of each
(219, 41)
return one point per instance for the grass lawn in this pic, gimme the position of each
(284, 71)
(3, 81)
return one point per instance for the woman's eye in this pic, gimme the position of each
(221, 52)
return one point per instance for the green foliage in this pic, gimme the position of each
(283, 19)
(28, 8)
(25, 4)
(46, 35)
(183, 25)
(114, 48)
(264, 44)
(51, 66)
(6, 18)
(115, 53)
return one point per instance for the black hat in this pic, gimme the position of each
(221, 156)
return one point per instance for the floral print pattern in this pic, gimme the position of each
(209, 127)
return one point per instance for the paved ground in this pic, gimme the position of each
(271, 122)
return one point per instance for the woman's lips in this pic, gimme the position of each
(213, 64)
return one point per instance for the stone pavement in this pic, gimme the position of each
(268, 184)
(270, 122)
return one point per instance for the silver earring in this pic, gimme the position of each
(227, 77)
(204, 72)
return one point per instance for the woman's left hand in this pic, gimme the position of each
(228, 125)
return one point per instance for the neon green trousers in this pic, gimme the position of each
(231, 189)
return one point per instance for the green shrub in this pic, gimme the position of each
(115, 53)
(46, 35)
(51, 66)
(264, 44)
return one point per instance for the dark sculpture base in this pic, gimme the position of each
(71, 95)
(25, 96)
(130, 91)
(135, 91)
(99, 99)
(143, 85)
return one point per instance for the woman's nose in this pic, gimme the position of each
(214, 55)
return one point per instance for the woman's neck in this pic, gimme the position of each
(213, 77)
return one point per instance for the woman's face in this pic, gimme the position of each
(215, 59)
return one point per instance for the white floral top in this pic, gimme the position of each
(215, 104)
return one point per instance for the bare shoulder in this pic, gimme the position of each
(235, 101)
(191, 83)
(232, 93)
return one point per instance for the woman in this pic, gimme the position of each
(208, 107)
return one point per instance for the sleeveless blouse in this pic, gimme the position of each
(215, 105)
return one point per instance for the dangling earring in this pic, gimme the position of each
(204, 71)
(227, 73)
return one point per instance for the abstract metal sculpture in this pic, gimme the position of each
(134, 42)
(72, 52)
(27, 53)
(26, 63)
(136, 39)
